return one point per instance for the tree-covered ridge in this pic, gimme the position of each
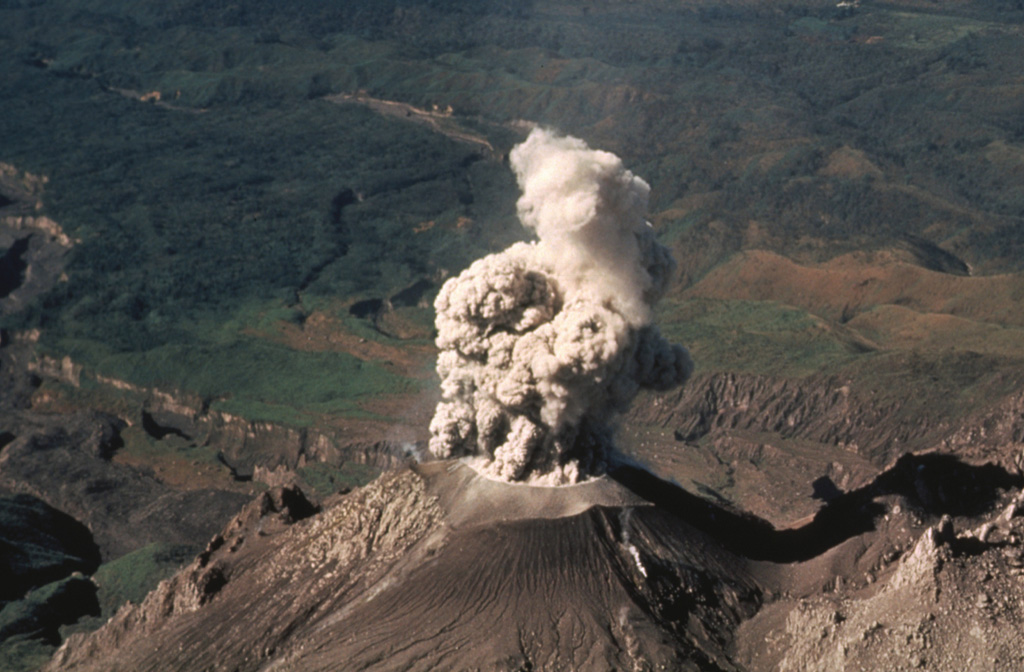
(214, 188)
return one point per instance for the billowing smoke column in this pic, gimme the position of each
(544, 343)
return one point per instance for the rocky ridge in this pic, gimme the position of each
(826, 410)
(760, 435)
(245, 444)
(952, 602)
(403, 573)
(34, 245)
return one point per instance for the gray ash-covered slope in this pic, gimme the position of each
(438, 568)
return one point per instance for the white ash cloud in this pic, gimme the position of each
(543, 344)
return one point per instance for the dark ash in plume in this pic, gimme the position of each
(544, 343)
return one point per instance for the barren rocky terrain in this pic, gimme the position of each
(437, 567)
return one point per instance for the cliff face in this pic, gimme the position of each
(66, 462)
(244, 444)
(782, 447)
(826, 410)
(995, 434)
(821, 410)
(34, 246)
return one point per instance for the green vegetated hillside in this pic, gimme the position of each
(232, 178)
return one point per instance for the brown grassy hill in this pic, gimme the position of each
(850, 289)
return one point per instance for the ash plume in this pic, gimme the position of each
(543, 344)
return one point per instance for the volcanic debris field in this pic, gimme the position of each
(223, 227)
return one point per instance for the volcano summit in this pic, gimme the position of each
(440, 568)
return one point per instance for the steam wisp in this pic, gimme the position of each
(543, 344)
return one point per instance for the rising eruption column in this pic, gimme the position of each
(543, 344)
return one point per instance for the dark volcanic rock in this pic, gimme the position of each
(39, 544)
(438, 568)
(12, 267)
(33, 257)
(45, 609)
(17, 383)
(64, 460)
